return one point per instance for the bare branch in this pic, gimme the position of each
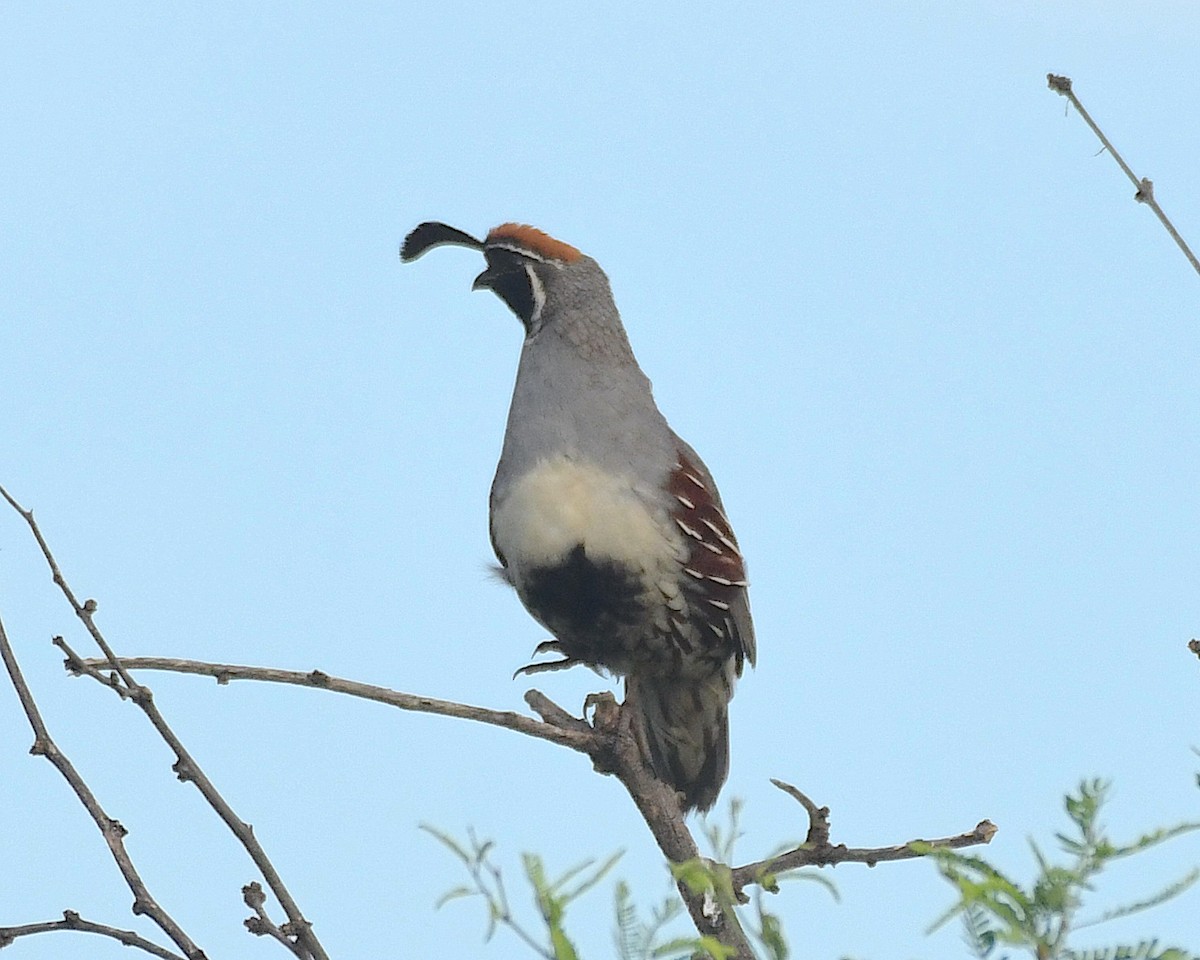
(1145, 187)
(186, 768)
(817, 851)
(73, 923)
(609, 740)
(110, 829)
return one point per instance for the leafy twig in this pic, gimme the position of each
(1039, 918)
(551, 896)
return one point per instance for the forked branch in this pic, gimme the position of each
(304, 943)
(110, 829)
(609, 743)
(607, 739)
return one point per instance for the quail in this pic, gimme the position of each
(606, 523)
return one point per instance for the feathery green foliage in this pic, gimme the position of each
(997, 912)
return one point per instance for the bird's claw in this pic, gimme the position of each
(531, 668)
(546, 646)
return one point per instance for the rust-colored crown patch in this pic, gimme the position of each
(535, 240)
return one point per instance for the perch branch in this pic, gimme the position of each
(1145, 187)
(580, 738)
(305, 944)
(611, 745)
(608, 741)
(110, 829)
(74, 923)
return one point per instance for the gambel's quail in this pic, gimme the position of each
(605, 522)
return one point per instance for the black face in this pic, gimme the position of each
(507, 275)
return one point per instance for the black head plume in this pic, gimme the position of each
(426, 236)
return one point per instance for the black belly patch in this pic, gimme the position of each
(588, 605)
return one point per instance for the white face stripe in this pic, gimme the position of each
(517, 249)
(524, 252)
(539, 297)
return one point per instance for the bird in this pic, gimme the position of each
(606, 523)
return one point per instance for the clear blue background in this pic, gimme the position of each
(942, 365)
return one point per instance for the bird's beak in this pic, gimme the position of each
(485, 280)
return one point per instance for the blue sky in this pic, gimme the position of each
(942, 366)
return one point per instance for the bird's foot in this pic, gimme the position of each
(606, 712)
(546, 646)
(606, 719)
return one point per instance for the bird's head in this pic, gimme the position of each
(525, 267)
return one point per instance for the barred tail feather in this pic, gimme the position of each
(683, 730)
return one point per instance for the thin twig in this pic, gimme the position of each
(110, 829)
(818, 817)
(74, 923)
(1145, 187)
(185, 766)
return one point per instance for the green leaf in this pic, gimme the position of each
(714, 948)
(1168, 892)
(563, 948)
(448, 841)
(695, 873)
(679, 947)
(588, 882)
(454, 894)
(627, 924)
(1154, 839)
